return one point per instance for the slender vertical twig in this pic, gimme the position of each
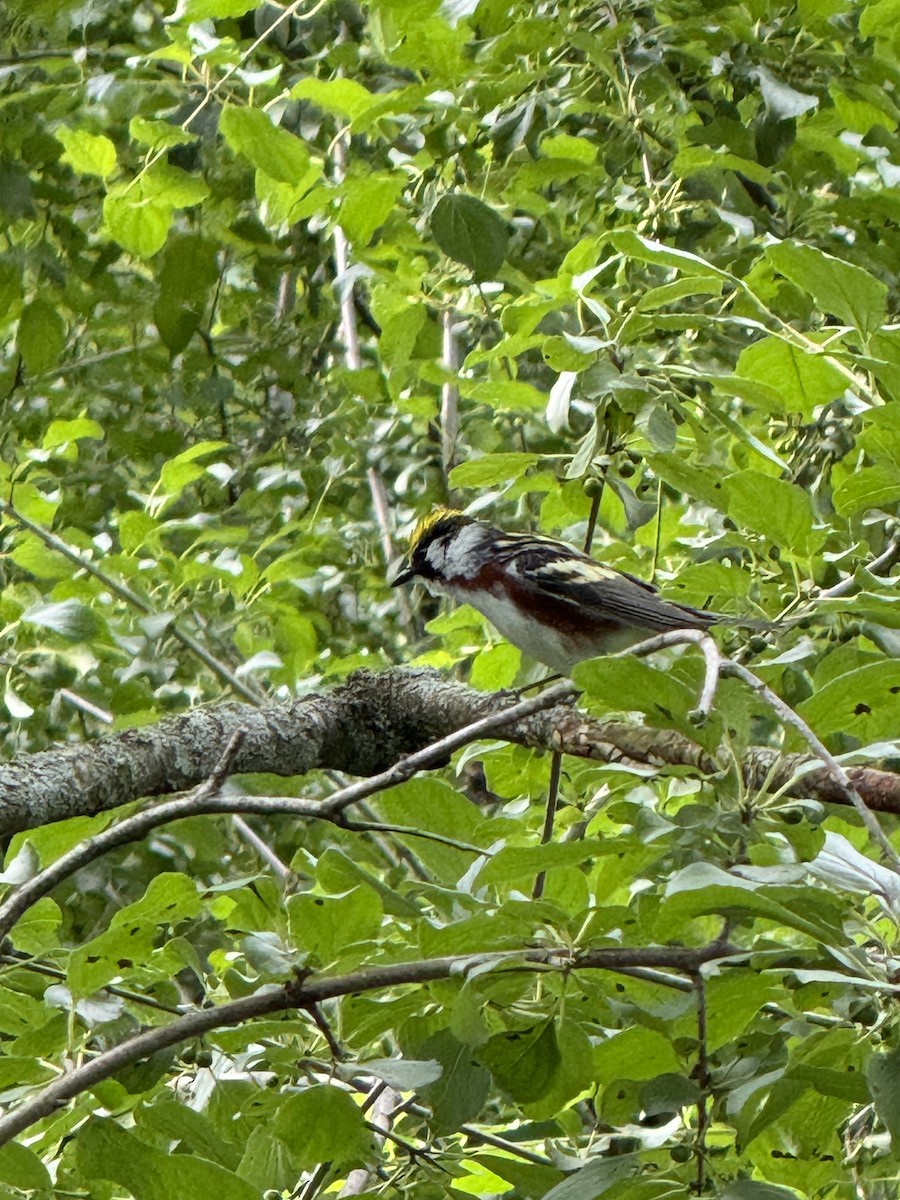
(703, 1080)
(449, 397)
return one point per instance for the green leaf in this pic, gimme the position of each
(883, 1077)
(17, 1070)
(367, 203)
(680, 289)
(41, 336)
(158, 134)
(471, 233)
(491, 469)
(106, 1151)
(630, 683)
(567, 146)
(404, 1074)
(840, 288)
(272, 150)
(458, 1095)
(863, 704)
(635, 245)
(345, 97)
(799, 381)
(188, 273)
(22, 1169)
(505, 395)
(513, 864)
(70, 618)
(780, 511)
(595, 1178)
(61, 432)
(139, 226)
(322, 1124)
(181, 1123)
(755, 1189)
(204, 10)
(870, 487)
(327, 926)
(635, 1053)
(87, 153)
(523, 1062)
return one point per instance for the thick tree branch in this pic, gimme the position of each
(366, 726)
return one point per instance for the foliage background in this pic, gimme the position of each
(244, 251)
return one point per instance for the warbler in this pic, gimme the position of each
(554, 602)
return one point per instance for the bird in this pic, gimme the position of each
(555, 603)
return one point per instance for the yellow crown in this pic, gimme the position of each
(425, 524)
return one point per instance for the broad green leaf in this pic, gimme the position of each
(512, 864)
(595, 1178)
(850, 293)
(680, 289)
(755, 1189)
(694, 159)
(106, 1151)
(272, 150)
(346, 97)
(326, 926)
(404, 1074)
(798, 381)
(203, 10)
(170, 898)
(503, 396)
(16, 1071)
(565, 145)
(11, 289)
(70, 618)
(471, 233)
(491, 469)
(41, 336)
(780, 511)
(635, 245)
(164, 183)
(189, 271)
(322, 1124)
(139, 226)
(632, 684)
(635, 1053)
(883, 1078)
(60, 432)
(863, 704)
(22, 1169)
(458, 1095)
(871, 487)
(367, 203)
(194, 1130)
(157, 134)
(523, 1062)
(87, 153)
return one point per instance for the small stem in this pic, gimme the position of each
(549, 817)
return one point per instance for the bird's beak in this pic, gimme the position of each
(403, 573)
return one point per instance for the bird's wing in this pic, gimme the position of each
(578, 582)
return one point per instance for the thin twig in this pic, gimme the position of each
(262, 848)
(703, 1080)
(549, 817)
(125, 593)
(439, 750)
(846, 586)
(834, 768)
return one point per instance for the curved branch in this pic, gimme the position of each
(303, 993)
